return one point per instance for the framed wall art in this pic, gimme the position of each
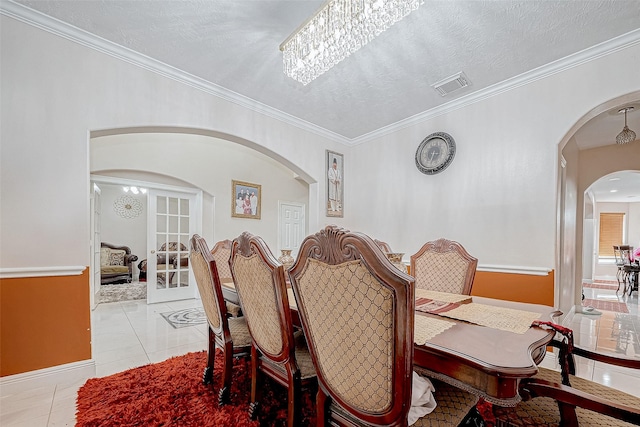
(246, 199)
(335, 184)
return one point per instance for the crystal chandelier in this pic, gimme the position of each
(335, 31)
(627, 135)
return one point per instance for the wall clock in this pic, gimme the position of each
(435, 153)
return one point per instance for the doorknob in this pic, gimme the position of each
(153, 252)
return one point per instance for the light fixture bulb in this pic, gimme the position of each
(335, 31)
(627, 135)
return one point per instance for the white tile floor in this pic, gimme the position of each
(126, 335)
(608, 332)
(132, 333)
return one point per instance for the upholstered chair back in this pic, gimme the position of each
(445, 266)
(205, 271)
(261, 286)
(357, 311)
(221, 253)
(229, 335)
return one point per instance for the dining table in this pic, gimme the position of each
(486, 348)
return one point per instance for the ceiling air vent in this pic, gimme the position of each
(450, 84)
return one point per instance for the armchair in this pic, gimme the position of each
(115, 264)
(553, 398)
(169, 257)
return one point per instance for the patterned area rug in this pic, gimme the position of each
(618, 307)
(122, 292)
(186, 317)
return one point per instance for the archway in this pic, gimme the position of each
(577, 170)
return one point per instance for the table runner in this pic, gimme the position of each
(442, 296)
(504, 319)
(426, 328)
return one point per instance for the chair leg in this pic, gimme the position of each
(254, 405)
(207, 377)
(321, 407)
(294, 392)
(225, 391)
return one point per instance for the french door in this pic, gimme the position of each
(96, 224)
(172, 220)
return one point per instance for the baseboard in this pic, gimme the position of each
(66, 373)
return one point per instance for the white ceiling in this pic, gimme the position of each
(233, 47)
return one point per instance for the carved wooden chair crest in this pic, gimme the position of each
(357, 312)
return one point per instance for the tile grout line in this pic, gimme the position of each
(146, 353)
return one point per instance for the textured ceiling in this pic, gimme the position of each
(233, 45)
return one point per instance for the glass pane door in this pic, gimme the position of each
(171, 225)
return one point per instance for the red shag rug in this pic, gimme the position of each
(171, 393)
(618, 307)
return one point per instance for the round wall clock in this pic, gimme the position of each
(435, 153)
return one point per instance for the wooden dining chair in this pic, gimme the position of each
(357, 312)
(445, 266)
(229, 334)
(560, 398)
(384, 246)
(261, 286)
(221, 252)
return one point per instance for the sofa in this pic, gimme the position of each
(116, 264)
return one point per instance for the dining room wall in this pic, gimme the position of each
(55, 94)
(499, 197)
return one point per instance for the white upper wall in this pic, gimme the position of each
(498, 198)
(55, 92)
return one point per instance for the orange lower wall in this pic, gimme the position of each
(515, 287)
(44, 322)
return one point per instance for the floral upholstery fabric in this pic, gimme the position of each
(255, 287)
(443, 272)
(116, 257)
(353, 341)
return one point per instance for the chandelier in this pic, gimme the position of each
(627, 135)
(335, 31)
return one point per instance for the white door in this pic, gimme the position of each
(96, 209)
(172, 220)
(291, 226)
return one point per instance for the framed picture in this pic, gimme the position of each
(335, 184)
(245, 200)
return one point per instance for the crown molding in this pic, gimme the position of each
(624, 41)
(82, 37)
(62, 29)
